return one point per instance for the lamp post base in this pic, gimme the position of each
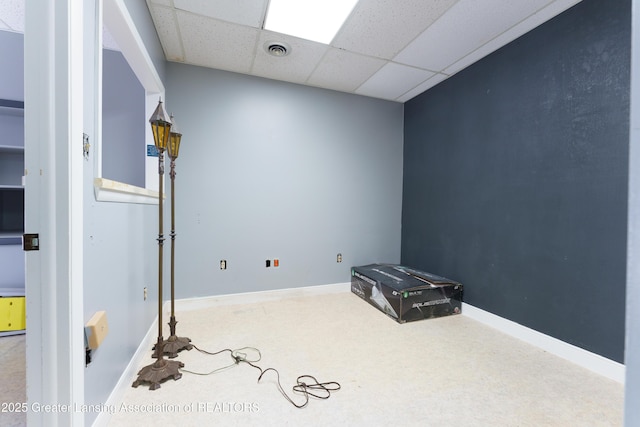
(158, 372)
(173, 345)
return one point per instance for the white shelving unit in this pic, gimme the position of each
(11, 212)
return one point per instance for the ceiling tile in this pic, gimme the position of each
(164, 20)
(12, 14)
(296, 66)
(217, 44)
(441, 45)
(511, 34)
(383, 28)
(108, 42)
(393, 80)
(245, 12)
(344, 71)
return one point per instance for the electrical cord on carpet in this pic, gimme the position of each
(307, 385)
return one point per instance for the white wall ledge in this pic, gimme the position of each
(107, 190)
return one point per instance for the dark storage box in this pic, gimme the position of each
(406, 294)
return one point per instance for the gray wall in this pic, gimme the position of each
(123, 122)
(275, 170)
(11, 66)
(120, 259)
(12, 266)
(516, 178)
(12, 123)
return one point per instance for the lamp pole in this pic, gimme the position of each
(162, 368)
(174, 344)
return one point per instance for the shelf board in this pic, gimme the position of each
(10, 103)
(11, 107)
(11, 149)
(13, 291)
(11, 111)
(10, 238)
(9, 333)
(11, 187)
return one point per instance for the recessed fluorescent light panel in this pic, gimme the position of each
(316, 20)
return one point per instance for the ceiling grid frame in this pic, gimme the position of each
(381, 44)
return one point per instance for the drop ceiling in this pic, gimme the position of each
(388, 49)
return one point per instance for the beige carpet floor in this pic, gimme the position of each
(446, 371)
(12, 380)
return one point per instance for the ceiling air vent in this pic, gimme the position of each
(277, 48)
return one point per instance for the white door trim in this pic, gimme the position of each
(54, 208)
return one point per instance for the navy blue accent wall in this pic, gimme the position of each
(515, 178)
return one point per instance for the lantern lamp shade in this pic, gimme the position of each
(160, 126)
(174, 140)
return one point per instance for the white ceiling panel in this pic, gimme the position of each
(296, 67)
(167, 28)
(344, 71)
(161, 2)
(383, 28)
(511, 34)
(243, 12)
(370, 53)
(465, 27)
(12, 14)
(108, 42)
(393, 80)
(217, 44)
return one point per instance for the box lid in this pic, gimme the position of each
(402, 278)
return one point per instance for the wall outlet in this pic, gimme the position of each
(339, 258)
(267, 263)
(223, 264)
(144, 292)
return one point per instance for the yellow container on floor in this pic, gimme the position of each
(12, 314)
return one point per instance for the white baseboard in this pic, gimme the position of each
(189, 304)
(129, 375)
(594, 362)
